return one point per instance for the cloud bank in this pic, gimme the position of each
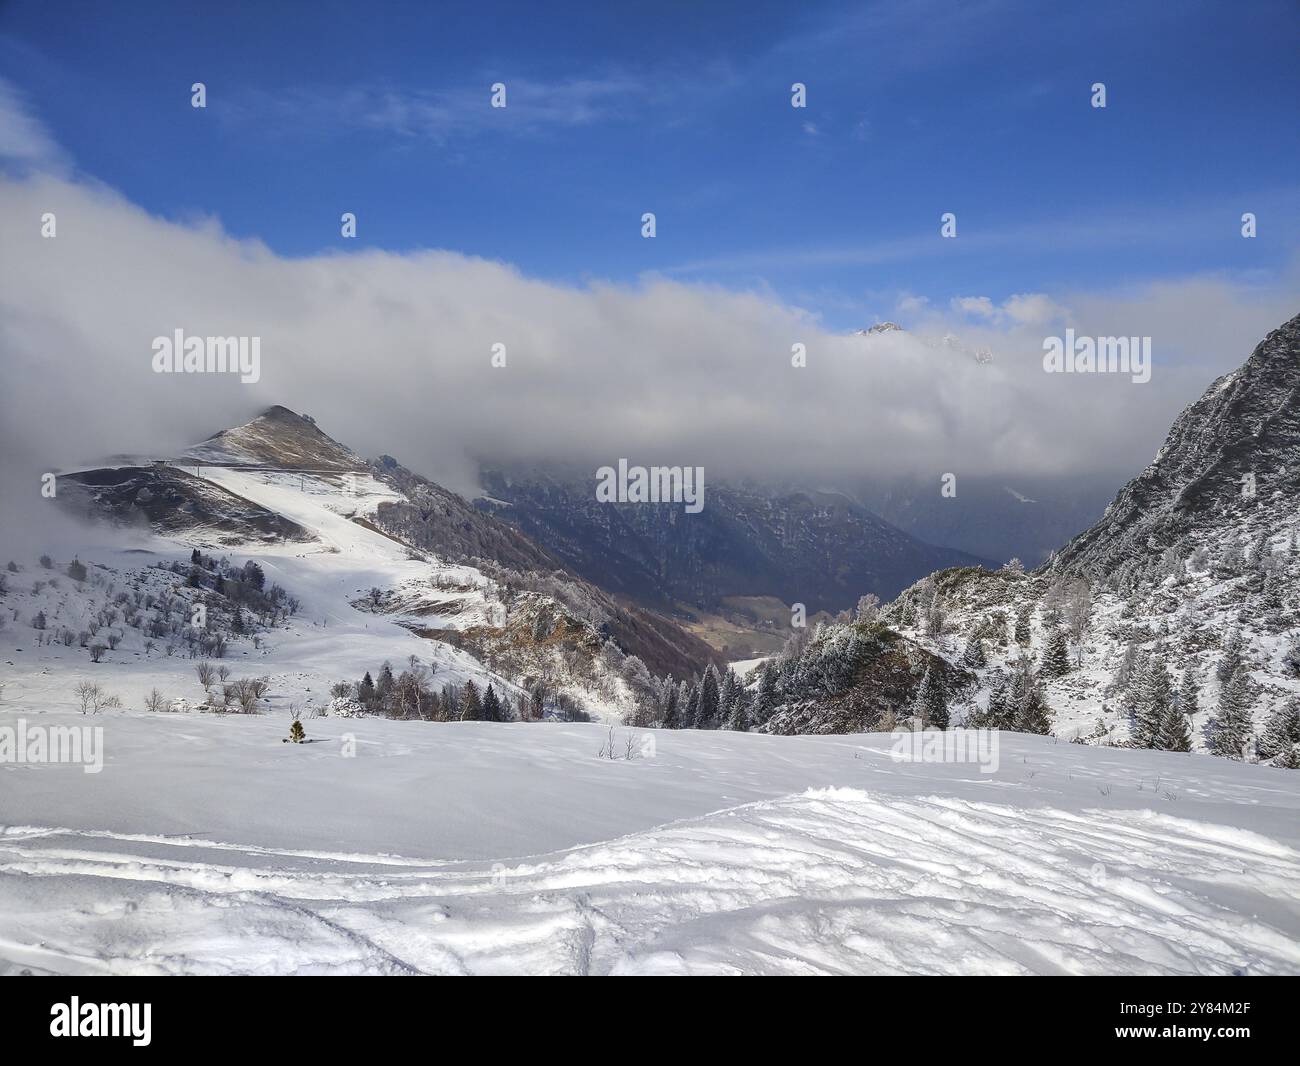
(394, 353)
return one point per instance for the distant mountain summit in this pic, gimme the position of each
(277, 438)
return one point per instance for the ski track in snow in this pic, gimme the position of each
(826, 881)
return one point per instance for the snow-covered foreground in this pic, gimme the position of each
(208, 846)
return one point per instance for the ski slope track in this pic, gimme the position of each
(206, 846)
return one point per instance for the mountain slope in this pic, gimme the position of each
(1189, 572)
(1231, 460)
(817, 548)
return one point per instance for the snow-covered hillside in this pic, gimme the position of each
(362, 599)
(206, 845)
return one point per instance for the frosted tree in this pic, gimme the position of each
(1234, 657)
(1233, 559)
(1260, 551)
(935, 620)
(1281, 732)
(927, 594)
(1135, 691)
(1291, 660)
(766, 699)
(710, 700)
(1032, 713)
(999, 714)
(738, 716)
(974, 658)
(1056, 660)
(868, 609)
(1231, 726)
(670, 719)
(1027, 707)
(931, 702)
(1160, 722)
(471, 704)
(1023, 614)
(1174, 733)
(727, 695)
(685, 716)
(1127, 665)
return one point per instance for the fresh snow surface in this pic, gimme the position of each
(206, 845)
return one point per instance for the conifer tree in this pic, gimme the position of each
(691, 719)
(1281, 732)
(1023, 615)
(492, 706)
(727, 696)
(385, 683)
(1231, 726)
(671, 720)
(738, 719)
(931, 702)
(471, 704)
(710, 700)
(998, 715)
(1175, 733)
(366, 690)
(1233, 657)
(1159, 722)
(1056, 660)
(765, 701)
(1027, 708)
(1149, 697)
(974, 659)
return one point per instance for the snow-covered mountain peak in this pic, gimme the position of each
(276, 438)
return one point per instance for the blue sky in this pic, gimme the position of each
(980, 108)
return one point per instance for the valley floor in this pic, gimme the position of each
(206, 845)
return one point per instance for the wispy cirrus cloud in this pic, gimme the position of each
(439, 115)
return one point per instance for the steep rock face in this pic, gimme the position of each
(817, 548)
(1231, 459)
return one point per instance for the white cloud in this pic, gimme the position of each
(25, 144)
(1024, 308)
(979, 306)
(391, 353)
